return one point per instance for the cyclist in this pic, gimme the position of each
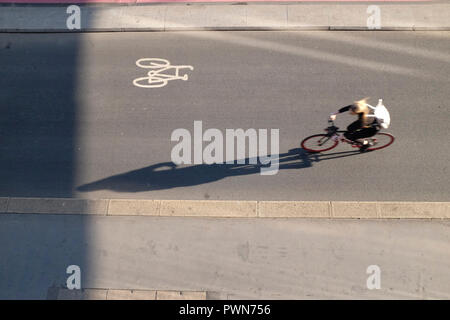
(366, 125)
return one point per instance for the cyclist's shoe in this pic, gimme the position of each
(365, 145)
(335, 137)
(356, 144)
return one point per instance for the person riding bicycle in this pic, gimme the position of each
(366, 126)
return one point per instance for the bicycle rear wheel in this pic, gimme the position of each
(318, 143)
(381, 140)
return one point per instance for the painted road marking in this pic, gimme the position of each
(155, 77)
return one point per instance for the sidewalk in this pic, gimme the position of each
(132, 257)
(242, 16)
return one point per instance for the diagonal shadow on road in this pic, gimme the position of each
(167, 175)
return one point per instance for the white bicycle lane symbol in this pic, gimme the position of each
(155, 77)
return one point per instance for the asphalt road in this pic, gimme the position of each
(72, 124)
(229, 258)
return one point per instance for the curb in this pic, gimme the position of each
(123, 294)
(226, 17)
(228, 209)
(189, 29)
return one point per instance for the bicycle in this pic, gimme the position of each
(324, 142)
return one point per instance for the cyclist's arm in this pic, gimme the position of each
(344, 109)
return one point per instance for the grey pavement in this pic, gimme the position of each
(228, 258)
(73, 124)
(278, 16)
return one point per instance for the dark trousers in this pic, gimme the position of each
(354, 131)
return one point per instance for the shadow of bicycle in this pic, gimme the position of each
(167, 175)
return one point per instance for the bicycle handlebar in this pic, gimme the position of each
(331, 129)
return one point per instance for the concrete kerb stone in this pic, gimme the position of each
(57, 206)
(124, 207)
(294, 209)
(227, 16)
(103, 18)
(229, 209)
(417, 28)
(123, 294)
(352, 209)
(4, 204)
(307, 16)
(208, 208)
(348, 16)
(180, 16)
(267, 16)
(180, 295)
(398, 16)
(82, 294)
(131, 294)
(436, 16)
(220, 17)
(414, 210)
(349, 28)
(33, 18)
(134, 17)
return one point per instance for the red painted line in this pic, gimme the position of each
(187, 1)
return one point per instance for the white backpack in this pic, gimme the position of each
(381, 114)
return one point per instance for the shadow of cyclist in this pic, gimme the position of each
(167, 175)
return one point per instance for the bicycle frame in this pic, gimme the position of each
(333, 130)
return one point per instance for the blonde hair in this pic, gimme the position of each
(361, 107)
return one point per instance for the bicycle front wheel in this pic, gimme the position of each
(318, 143)
(381, 140)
